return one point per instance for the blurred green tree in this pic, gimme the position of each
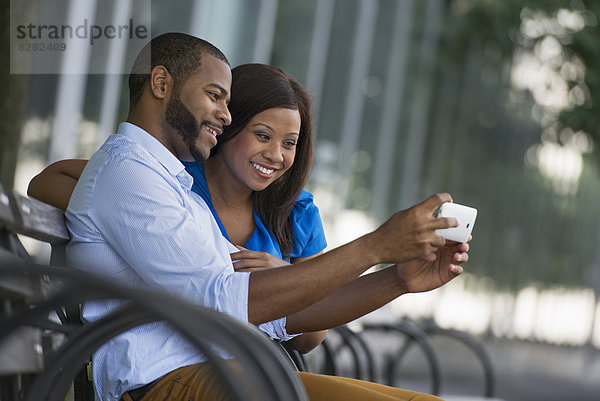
(539, 225)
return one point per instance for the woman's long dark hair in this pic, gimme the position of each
(254, 89)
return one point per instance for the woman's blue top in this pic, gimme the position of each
(309, 237)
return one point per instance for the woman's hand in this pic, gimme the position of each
(422, 274)
(248, 260)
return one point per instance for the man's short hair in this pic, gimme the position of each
(179, 53)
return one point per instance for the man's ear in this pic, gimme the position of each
(160, 82)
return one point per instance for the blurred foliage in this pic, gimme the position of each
(496, 23)
(586, 44)
(527, 233)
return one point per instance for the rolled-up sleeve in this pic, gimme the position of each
(276, 329)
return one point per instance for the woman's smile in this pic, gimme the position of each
(267, 172)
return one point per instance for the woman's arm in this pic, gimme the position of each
(55, 184)
(309, 340)
(247, 260)
(371, 291)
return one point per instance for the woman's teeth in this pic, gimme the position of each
(262, 169)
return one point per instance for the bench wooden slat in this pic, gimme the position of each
(6, 214)
(15, 287)
(38, 220)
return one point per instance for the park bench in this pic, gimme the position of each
(43, 347)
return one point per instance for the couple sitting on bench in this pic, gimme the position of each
(235, 232)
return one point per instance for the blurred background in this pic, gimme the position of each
(496, 102)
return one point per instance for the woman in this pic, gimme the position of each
(253, 180)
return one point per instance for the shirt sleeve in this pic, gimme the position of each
(309, 236)
(170, 244)
(276, 329)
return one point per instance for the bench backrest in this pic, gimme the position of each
(32, 218)
(22, 215)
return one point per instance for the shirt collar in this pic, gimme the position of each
(159, 151)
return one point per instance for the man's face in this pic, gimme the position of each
(197, 111)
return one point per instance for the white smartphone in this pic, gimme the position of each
(466, 220)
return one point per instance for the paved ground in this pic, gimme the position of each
(524, 371)
(532, 372)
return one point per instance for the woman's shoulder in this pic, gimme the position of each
(309, 237)
(304, 203)
(305, 212)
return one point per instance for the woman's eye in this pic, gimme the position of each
(261, 136)
(289, 144)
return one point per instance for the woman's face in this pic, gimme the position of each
(264, 149)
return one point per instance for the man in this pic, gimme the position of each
(133, 218)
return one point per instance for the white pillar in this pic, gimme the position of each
(115, 64)
(317, 60)
(199, 24)
(419, 114)
(393, 105)
(361, 59)
(71, 85)
(265, 31)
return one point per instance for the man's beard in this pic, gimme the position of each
(179, 117)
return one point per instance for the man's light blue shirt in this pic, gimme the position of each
(133, 219)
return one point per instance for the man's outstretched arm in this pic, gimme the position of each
(407, 235)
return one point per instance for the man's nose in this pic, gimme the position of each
(224, 115)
